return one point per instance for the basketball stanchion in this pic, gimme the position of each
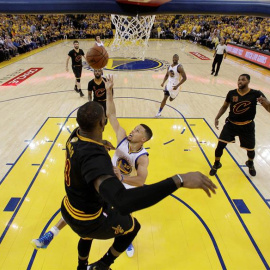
(131, 35)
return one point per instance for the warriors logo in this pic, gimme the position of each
(133, 64)
(124, 165)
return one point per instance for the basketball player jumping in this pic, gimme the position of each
(174, 73)
(130, 161)
(76, 57)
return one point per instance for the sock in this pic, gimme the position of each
(76, 86)
(216, 162)
(160, 109)
(54, 230)
(108, 258)
(250, 162)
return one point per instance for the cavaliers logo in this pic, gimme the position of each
(241, 107)
(124, 166)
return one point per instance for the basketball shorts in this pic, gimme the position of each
(170, 92)
(109, 224)
(77, 70)
(246, 134)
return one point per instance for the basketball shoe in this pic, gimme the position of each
(251, 168)
(43, 241)
(81, 93)
(130, 251)
(76, 89)
(214, 169)
(158, 115)
(99, 265)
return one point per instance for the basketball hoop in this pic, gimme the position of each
(132, 35)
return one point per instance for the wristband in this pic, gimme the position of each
(181, 180)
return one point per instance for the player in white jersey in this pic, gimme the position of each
(177, 76)
(98, 41)
(130, 158)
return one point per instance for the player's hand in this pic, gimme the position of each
(108, 145)
(262, 100)
(117, 172)
(216, 123)
(199, 180)
(66, 69)
(108, 82)
(175, 87)
(162, 85)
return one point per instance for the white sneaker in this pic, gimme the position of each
(158, 114)
(130, 251)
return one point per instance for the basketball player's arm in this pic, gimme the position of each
(111, 111)
(264, 102)
(165, 78)
(89, 95)
(129, 200)
(67, 63)
(222, 110)
(180, 69)
(142, 172)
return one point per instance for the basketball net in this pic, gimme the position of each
(132, 35)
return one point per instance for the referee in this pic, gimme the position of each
(218, 56)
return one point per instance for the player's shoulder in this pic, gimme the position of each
(71, 51)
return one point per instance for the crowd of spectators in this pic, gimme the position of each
(23, 33)
(209, 29)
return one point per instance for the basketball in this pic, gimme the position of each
(97, 57)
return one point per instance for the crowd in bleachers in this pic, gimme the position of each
(23, 33)
(209, 29)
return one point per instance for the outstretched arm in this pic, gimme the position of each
(221, 112)
(111, 111)
(129, 200)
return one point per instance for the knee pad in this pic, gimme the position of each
(78, 80)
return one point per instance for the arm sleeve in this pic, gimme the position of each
(127, 201)
(82, 52)
(70, 53)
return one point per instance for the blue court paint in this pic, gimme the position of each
(184, 129)
(202, 142)
(192, 125)
(49, 141)
(10, 164)
(187, 150)
(12, 204)
(35, 164)
(64, 149)
(241, 206)
(242, 166)
(68, 130)
(147, 148)
(168, 141)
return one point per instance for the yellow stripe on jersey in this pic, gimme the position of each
(77, 214)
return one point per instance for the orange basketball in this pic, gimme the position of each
(97, 57)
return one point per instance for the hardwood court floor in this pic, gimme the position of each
(186, 231)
